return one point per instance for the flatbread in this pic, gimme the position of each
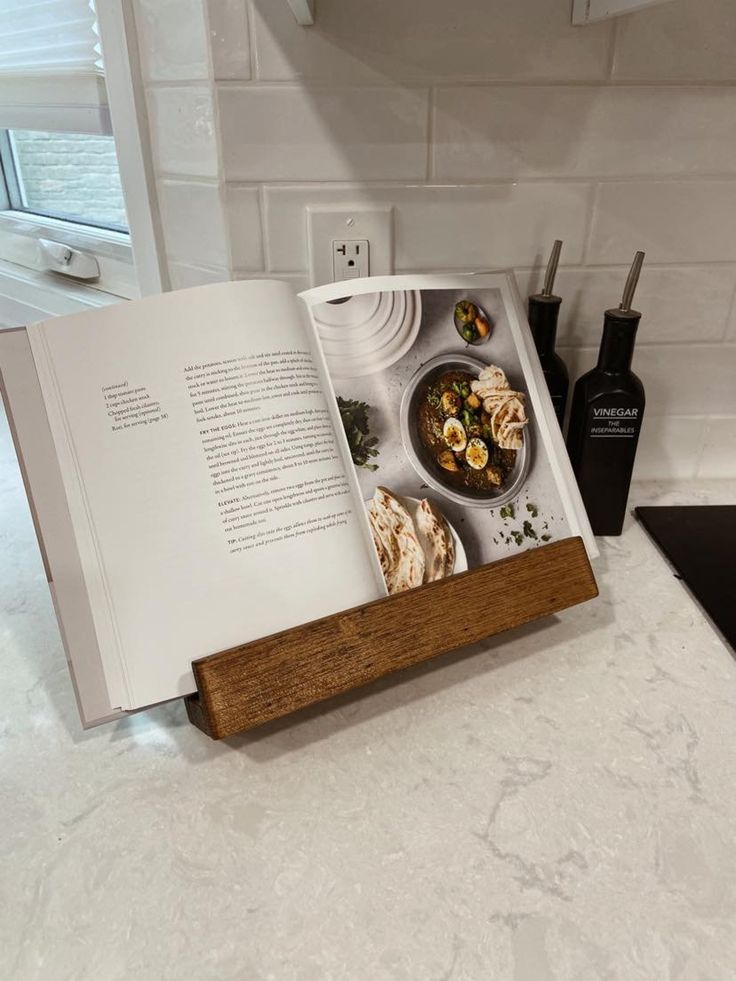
(397, 543)
(490, 379)
(505, 407)
(436, 540)
(508, 421)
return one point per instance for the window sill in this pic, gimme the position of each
(19, 235)
(27, 296)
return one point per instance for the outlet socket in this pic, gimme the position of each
(350, 259)
(327, 227)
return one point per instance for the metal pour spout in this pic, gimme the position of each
(631, 283)
(549, 276)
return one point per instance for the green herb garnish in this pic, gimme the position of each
(507, 511)
(518, 537)
(362, 445)
(528, 530)
(533, 510)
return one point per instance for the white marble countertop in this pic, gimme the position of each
(559, 806)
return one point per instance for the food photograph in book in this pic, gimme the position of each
(452, 466)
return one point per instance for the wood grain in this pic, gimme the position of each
(269, 678)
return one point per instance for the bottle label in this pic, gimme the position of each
(614, 423)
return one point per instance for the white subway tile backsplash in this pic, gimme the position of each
(182, 129)
(682, 303)
(719, 449)
(679, 379)
(243, 215)
(672, 221)
(529, 141)
(582, 131)
(172, 39)
(669, 445)
(229, 38)
(365, 42)
(441, 226)
(288, 133)
(193, 222)
(682, 41)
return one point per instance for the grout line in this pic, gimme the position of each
(476, 182)
(320, 82)
(701, 449)
(179, 83)
(208, 38)
(265, 245)
(730, 316)
(431, 109)
(304, 273)
(188, 179)
(589, 218)
(202, 266)
(577, 267)
(615, 266)
(221, 185)
(250, 22)
(612, 49)
(660, 264)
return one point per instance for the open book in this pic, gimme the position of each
(209, 466)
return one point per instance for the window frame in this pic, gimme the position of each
(131, 263)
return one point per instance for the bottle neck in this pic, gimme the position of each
(617, 344)
(543, 314)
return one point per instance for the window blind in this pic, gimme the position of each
(51, 73)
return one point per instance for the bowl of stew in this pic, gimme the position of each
(448, 437)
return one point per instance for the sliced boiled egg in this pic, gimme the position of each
(476, 453)
(454, 433)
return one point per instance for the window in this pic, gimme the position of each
(69, 176)
(59, 176)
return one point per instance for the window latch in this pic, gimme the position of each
(60, 258)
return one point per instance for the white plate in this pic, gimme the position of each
(412, 505)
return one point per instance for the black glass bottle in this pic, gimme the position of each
(544, 309)
(606, 416)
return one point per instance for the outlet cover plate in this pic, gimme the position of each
(327, 225)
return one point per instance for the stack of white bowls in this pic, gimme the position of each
(368, 332)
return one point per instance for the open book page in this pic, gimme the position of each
(209, 498)
(455, 443)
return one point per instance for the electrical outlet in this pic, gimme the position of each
(371, 228)
(350, 259)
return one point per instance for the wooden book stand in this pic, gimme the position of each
(268, 678)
